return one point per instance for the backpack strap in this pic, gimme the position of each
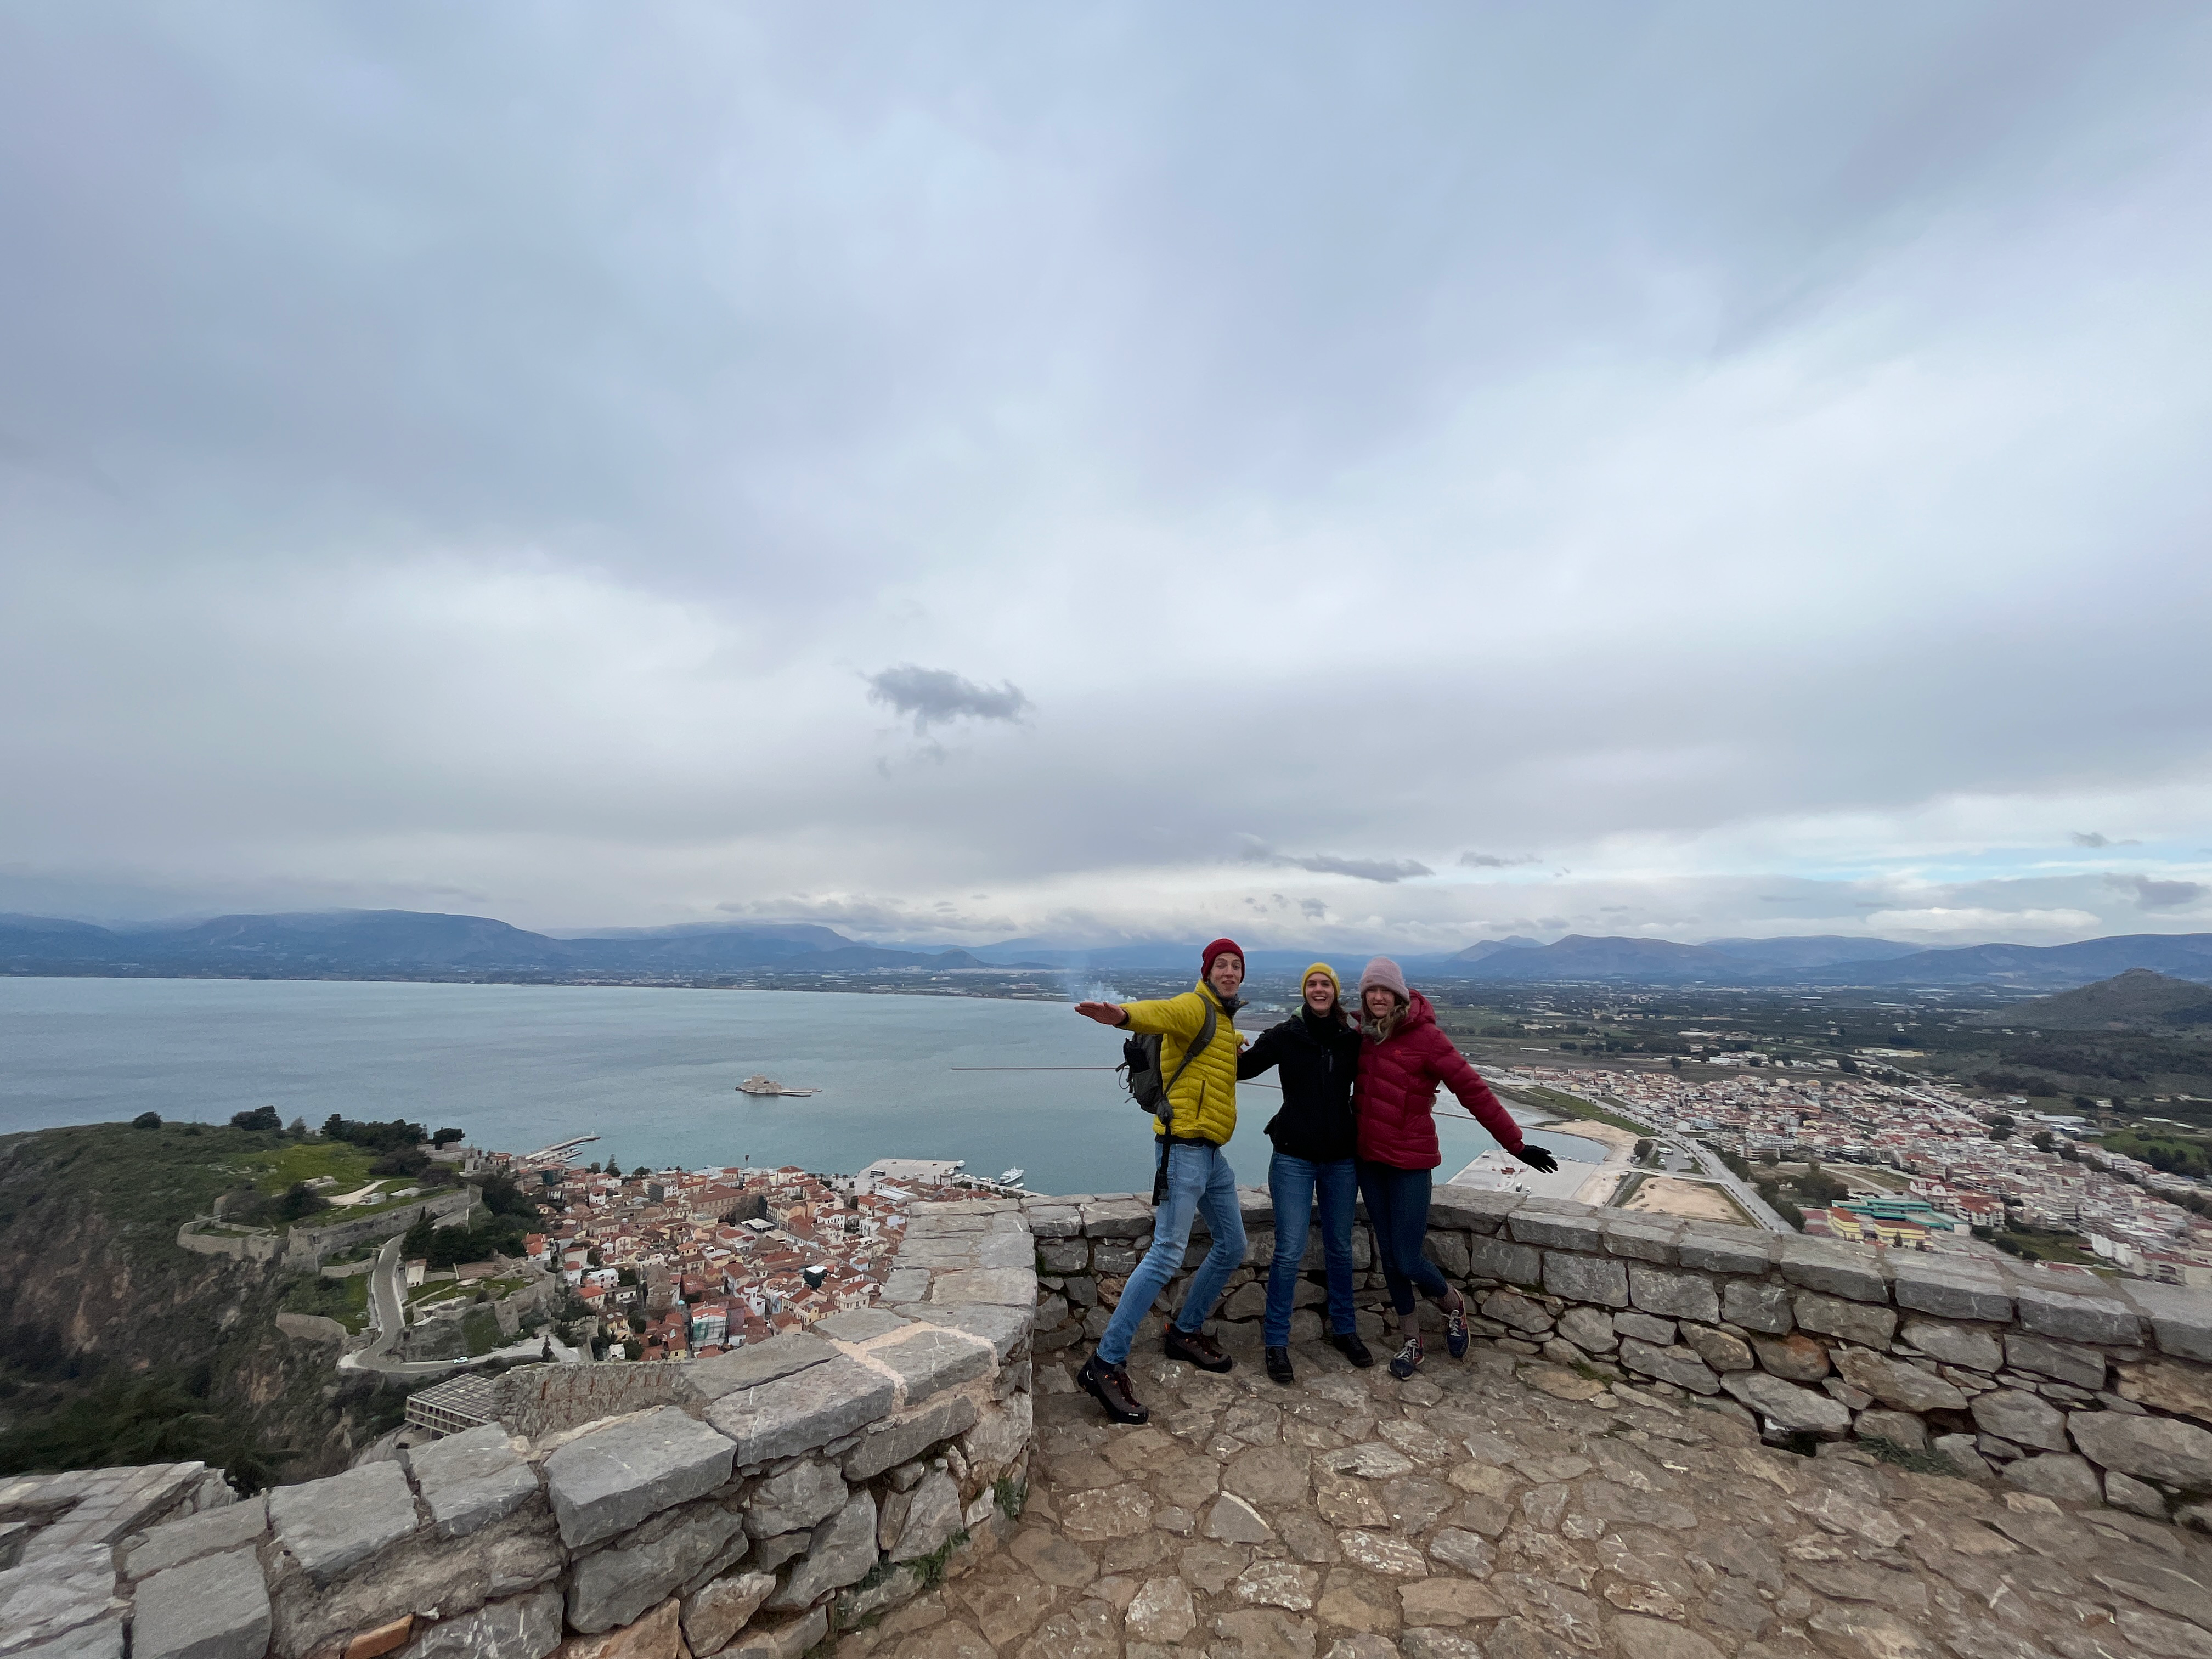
(1205, 1036)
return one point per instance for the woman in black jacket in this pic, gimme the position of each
(1317, 1053)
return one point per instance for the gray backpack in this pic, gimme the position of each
(1140, 1064)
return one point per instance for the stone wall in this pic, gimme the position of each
(748, 1504)
(2061, 1382)
(238, 1246)
(306, 1247)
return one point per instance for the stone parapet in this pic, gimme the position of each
(306, 1247)
(748, 1503)
(2059, 1382)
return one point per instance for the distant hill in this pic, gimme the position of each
(1490, 947)
(1813, 951)
(2140, 997)
(2186, 956)
(1578, 957)
(371, 943)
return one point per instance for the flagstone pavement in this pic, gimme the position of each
(1496, 1506)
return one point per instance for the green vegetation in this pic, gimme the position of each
(2174, 1154)
(345, 1300)
(1575, 1106)
(149, 1419)
(279, 1167)
(481, 1327)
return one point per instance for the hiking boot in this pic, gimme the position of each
(1408, 1359)
(1109, 1386)
(1196, 1346)
(1348, 1344)
(1278, 1367)
(1455, 1326)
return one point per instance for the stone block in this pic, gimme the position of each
(1796, 1357)
(1450, 1252)
(1676, 1295)
(2061, 1476)
(1898, 1428)
(525, 1628)
(905, 1284)
(101, 1640)
(717, 1611)
(1555, 1224)
(1471, 1208)
(2124, 1492)
(61, 1591)
(2169, 1385)
(2077, 1318)
(932, 1517)
(844, 1550)
(1758, 1305)
(1056, 1221)
(1643, 1241)
(2021, 1418)
(897, 1439)
(1855, 1322)
(1006, 1328)
(1002, 1434)
(1719, 1349)
(1721, 1249)
(856, 1325)
(330, 1525)
(615, 1585)
(1679, 1366)
(1589, 1330)
(2159, 1449)
(799, 1496)
(2180, 1319)
(469, 1480)
(1118, 1218)
(1852, 1272)
(800, 1412)
(1500, 1258)
(1594, 1279)
(215, 1607)
(1645, 1328)
(1787, 1405)
(1903, 1387)
(656, 1635)
(780, 1638)
(2083, 1367)
(1948, 1291)
(708, 1380)
(175, 1542)
(1064, 1256)
(607, 1482)
(1973, 1350)
(1006, 1287)
(933, 1359)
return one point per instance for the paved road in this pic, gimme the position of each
(383, 1297)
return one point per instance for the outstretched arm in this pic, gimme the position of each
(1106, 1013)
(1264, 1052)
(1451, 1069)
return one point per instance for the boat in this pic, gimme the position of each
(758, 1085)
(1010, 1178)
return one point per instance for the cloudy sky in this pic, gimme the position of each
(959, 472)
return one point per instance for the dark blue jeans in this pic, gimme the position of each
(1398, 1210)
(1199, 1183)
(1299, 1187)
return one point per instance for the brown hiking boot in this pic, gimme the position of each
(1195, 1346)
(1109, 1386)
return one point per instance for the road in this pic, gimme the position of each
(1704, 1165)
(385, 1303)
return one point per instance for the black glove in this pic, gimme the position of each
(1537, 1158)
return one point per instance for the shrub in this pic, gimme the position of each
(147, 1121)
(261, 1117)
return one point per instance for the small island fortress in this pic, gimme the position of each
(758, 1085)
(1670, 1440)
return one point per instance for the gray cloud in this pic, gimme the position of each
(936, 697)
(2154, 895)
(1386, 871)
(2098, 838)
(1495, 860)
(407, 491)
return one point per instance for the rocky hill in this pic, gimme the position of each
(2140, 998)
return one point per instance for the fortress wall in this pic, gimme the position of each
(746, 1505)
(306, 1247)
(2061, 1382)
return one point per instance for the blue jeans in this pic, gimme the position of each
(1298, 1186)
(1199, 1183)
(1398, 1210)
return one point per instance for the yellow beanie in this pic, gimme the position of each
(1322, 968)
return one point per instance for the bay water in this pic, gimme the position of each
(652, 1071)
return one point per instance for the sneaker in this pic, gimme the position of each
(1408, 1359)
(1278, 1367)
(1455, 1326)
(1196, 1346)
(1348, 1344)
(1109, 1386)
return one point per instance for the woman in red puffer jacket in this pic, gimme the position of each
(1404, 1057)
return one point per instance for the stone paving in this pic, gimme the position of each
(1505, 1506)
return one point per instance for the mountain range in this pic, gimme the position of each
(373, 943)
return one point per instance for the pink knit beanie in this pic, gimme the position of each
(1387, 973)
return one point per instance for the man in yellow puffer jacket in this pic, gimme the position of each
(1196, 1176)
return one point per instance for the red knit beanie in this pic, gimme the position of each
(1220, 947)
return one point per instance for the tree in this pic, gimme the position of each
(639, 1171)
(2001, 1132)
(2043, 1140)
(448, 1136)
(297, 1128)
(261, 1117)
(147, 1121)
(415, 1245)
(1770, 1158)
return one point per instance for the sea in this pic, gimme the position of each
(1000, 1085)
